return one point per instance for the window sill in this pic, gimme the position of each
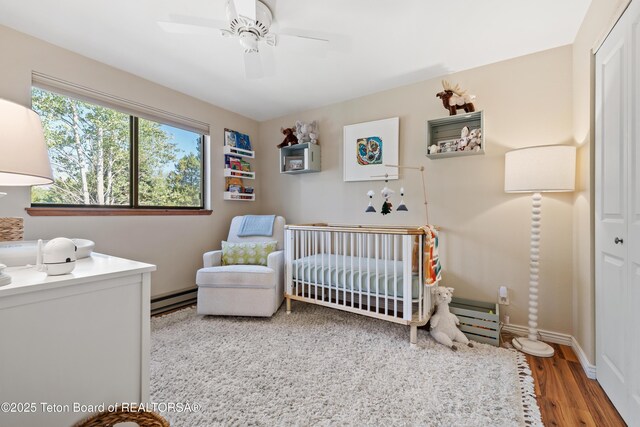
(113, 212)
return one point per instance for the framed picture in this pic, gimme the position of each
(293, 163)
(367, 147)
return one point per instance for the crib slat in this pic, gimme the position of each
(377, 279)
(420, 284)
(369, 272)
(406, 279)
(395, 276)
(322, 250)
(359, 253)
(385, 257)
(351, 269)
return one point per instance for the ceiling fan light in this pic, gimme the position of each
(249, 42)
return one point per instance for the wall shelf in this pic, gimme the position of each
(239, 152)
(300, 158)
(234, 173)
(243, 197)
(236, 168)
(444, 133)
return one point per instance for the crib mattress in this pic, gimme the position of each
(354, 273)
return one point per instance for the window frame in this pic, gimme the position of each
(133, 207)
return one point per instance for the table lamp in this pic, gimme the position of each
(548, 168)
(24, 159)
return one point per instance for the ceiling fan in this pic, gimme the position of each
(249, 21)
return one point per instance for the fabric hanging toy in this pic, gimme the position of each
(386, 194)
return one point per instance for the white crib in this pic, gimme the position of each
(373, 271)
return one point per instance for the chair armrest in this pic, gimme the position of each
(212, 259)
(275, 260)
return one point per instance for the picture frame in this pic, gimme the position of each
(368, 147)
(293, 163)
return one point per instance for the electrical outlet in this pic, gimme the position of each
(503, 295)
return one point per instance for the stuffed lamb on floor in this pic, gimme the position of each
(444, 324)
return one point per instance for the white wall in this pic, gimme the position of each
(174, 243)
(485, 237)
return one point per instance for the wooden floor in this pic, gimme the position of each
(565, 395)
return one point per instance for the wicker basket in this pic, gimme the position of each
(131, 414)
(11, 229)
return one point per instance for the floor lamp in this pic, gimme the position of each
(24, 159)
(549, 168)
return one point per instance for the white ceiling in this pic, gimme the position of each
(376, 44)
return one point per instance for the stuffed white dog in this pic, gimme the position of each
(444, 327)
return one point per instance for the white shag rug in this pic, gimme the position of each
(319, 366)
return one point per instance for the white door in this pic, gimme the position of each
(633, 301)
(617, 215)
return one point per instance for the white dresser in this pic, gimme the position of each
(77, 339)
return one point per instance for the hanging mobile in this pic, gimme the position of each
(402, 206)
(386, 194)
(370, 208)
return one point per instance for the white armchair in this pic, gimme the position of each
(243, 290)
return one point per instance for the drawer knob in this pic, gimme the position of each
(618, 240)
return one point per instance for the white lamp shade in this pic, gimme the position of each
(540, 169)
(24, 159)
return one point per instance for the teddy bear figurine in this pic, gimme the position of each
(444, 324)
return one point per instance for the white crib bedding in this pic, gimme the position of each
(353, 273)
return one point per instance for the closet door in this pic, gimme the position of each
(617, 215)
(633, 303)
(611, 216)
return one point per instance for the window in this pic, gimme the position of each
(102, 157)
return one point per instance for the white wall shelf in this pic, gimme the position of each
(234, 173)
(239, 152)
(234, 195)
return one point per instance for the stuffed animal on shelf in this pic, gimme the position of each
(474, 140)
(307, 132)
(289, 137)
(434, 149)
(454, 98)
(464, 138)
(444, 324)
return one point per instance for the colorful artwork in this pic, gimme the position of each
(369, 151)
(373, 145)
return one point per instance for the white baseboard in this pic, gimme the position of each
(549, 336)
(589, 369)
(558, 338)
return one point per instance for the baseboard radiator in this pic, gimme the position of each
(173, 300)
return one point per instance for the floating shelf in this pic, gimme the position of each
(239, 152)
(306, 156)
(234, 195)
(234, 173)
(445, 132)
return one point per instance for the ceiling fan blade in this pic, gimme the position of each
(320, 41)
(246, 8)
(192, 25)
(253, 65)
(268, 61)
(304, 45)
